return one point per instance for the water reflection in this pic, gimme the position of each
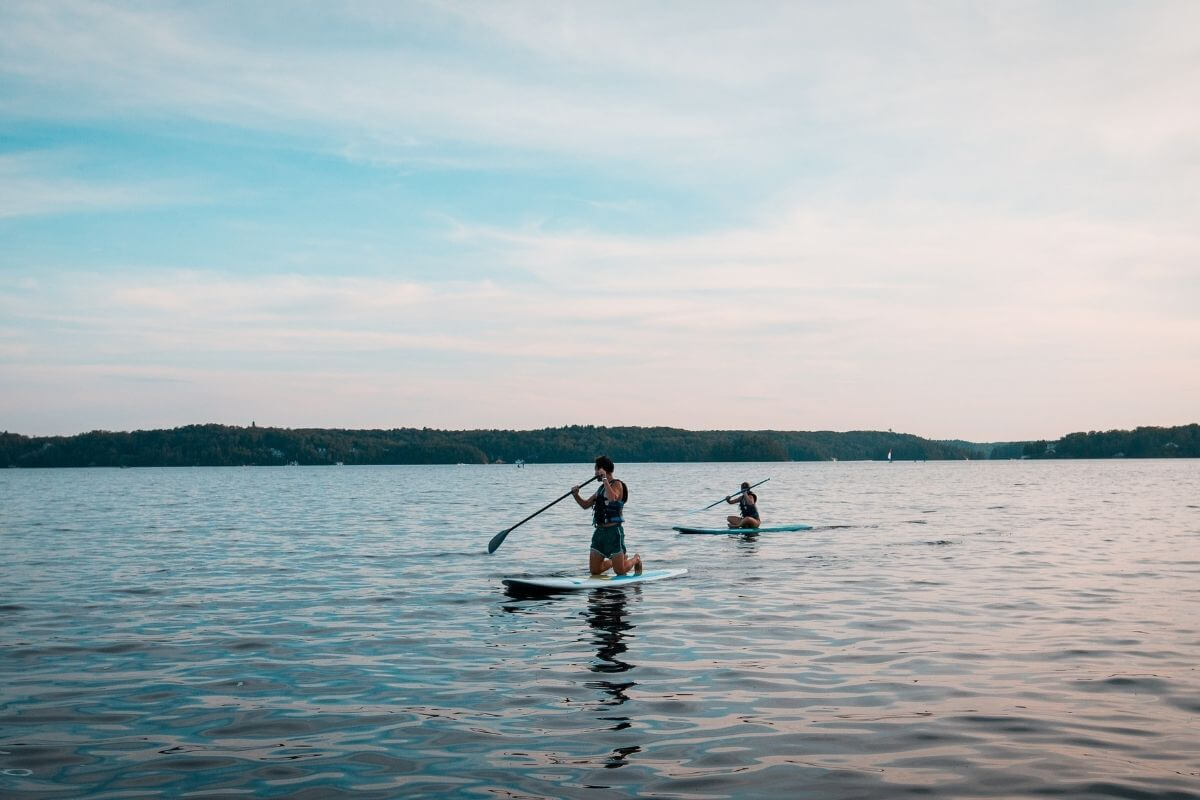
(747, 543)
(607, 615)
(619, 754)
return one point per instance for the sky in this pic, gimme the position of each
(953, 219)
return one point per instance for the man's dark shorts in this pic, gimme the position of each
(609, 541)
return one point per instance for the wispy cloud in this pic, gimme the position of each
(34, 184)
(648, 84)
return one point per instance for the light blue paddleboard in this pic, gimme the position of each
(764, 529)
(552, 583)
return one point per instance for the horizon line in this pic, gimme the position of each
(254, 426)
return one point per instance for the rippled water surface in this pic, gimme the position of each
(967, 629)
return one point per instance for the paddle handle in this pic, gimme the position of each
(499, 538)
(735, 494)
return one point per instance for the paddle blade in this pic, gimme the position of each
(498, 540)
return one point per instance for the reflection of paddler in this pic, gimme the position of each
(606, 617)
(747, 516)
(608, 516)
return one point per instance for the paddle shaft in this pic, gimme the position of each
(498, 539)
(743, 491)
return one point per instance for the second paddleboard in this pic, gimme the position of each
(764, 529)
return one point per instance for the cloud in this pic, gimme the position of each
(911, 261)
(1058, 283)
(199, 294)
(33, 184)
(712, 86)
(95, 58)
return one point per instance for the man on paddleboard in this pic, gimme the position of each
(608, 506)
(747, 501)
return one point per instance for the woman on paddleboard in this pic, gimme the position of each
(747, 516)
(608, 506)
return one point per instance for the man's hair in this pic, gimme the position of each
(605, 463)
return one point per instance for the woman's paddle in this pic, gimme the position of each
(722, 500)
(498, 539)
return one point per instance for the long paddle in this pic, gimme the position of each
(498, 539)
(741, 491)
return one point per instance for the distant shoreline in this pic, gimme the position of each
(225, 445)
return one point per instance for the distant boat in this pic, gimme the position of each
(889, 456)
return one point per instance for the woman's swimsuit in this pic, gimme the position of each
(747, 508)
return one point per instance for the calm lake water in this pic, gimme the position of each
(966, 629)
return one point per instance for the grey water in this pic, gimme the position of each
(947, 629)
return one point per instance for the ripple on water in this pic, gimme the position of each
(298, 637)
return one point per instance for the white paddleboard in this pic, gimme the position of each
(605, 581)
(764, 529)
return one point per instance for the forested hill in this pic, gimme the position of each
(1180, 441)
(222, 445)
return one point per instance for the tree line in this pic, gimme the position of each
(225, 445)
(1180, 441)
